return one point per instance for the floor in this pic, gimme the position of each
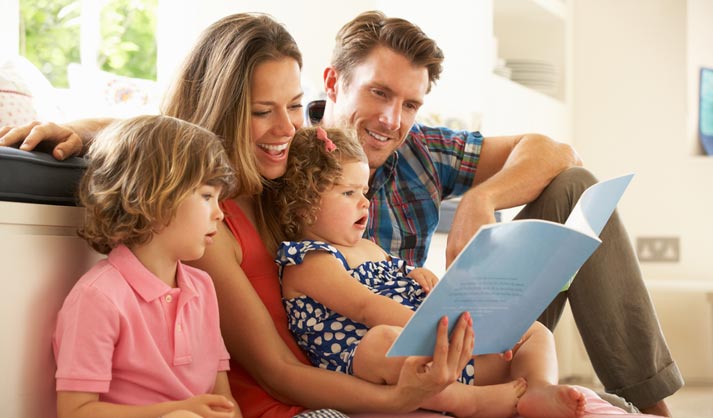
(692, 402)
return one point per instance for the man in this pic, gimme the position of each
(382, 68)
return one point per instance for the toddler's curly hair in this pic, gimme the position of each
(311, 170)
(139, 172)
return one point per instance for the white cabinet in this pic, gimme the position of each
(532, 40)
(471, 94)
(41, 257)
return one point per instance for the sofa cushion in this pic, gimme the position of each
(25, 93)
(36, 177)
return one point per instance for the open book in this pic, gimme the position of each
(509, 272)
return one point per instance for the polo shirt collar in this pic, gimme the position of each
(146, 284)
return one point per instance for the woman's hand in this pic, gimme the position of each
(423, 377)
(424, 277)
(63, 140)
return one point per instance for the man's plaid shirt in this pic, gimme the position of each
(433, 164)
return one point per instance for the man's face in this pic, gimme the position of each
(381, 101)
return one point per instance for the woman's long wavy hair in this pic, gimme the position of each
(212, 90)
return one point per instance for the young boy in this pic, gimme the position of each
(139, 335)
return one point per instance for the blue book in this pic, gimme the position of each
(509, 272)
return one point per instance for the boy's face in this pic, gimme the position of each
(343, 209)
(194, 226)
(381, 101)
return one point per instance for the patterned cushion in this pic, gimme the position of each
(16, 102)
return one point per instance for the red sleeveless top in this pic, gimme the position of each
(260, 268)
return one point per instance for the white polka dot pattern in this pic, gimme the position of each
(330, 339)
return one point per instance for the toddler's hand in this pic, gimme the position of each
(424, 277)
(508, 354)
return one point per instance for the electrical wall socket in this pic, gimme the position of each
(658, 249)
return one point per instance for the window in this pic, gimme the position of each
(117, 36)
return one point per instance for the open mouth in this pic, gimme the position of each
(278, 150)
(361, 221)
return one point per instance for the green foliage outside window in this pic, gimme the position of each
(128, 29)
(50, 36)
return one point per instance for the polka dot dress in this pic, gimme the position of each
(330, 339)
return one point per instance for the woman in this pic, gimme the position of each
(242, 81)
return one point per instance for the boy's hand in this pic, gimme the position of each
(209, 406)
(424, 277)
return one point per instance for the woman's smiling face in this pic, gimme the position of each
(276, 113)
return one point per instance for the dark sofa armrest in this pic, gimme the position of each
(36, 177)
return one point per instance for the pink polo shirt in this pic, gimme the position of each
(125, 334)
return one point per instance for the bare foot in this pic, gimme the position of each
(552, 401)
(493, 401)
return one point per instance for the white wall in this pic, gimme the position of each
(700, 54)
(632, 110)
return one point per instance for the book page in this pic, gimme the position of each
(596, 205)
(508, 273)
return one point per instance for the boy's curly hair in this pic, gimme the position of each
(139, 172)
(311, 170)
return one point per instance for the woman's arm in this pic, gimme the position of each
(322, 277)
(87, 405)
(66, 140)
(254, 343)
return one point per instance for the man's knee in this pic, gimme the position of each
(574, 181)
(559, 197)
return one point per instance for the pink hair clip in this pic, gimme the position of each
(322, 136)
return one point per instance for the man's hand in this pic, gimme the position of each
(64, 141)
(474, 211)
(424, 277)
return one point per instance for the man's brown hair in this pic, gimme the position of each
(358, 38)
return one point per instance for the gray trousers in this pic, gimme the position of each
(610, 304)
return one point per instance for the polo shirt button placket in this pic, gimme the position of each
(169, 298)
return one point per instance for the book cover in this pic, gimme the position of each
(509, 272)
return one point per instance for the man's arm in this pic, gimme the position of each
(66, 140)
(512, 171)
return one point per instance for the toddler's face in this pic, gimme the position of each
(344, 209)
